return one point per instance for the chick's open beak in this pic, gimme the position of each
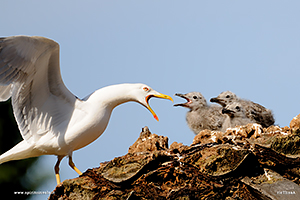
(159, 95)
(186, 104)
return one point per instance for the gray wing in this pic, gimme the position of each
(5, 92)
(30, 75)
(258, 113)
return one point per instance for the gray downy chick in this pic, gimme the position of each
(235, 116)
(254, 111)
(201, 116)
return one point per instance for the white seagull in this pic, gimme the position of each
(53, 121)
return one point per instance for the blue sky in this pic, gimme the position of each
(249, 47)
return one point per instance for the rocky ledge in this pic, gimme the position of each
(246, 162)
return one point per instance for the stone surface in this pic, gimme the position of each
(295, 123)
(149, 142)
(246, 162)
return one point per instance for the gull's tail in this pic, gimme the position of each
(21, 151)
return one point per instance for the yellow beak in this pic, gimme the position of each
(162, 96)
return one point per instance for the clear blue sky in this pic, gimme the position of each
(249, 47)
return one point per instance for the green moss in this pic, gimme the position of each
(287, 145)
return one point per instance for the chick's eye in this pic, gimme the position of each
(145, 89)
(227, 96)
(238, 108)
(194, 97)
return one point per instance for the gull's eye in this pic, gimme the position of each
(146, 89)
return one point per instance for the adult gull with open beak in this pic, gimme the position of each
(52, 120)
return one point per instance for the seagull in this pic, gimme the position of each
(253, 111)
(201, 116)
(51, 120)
(235, 116)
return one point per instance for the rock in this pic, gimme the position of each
(176, 145)
(287, 144)
(203, 137)
(245, 162)
(246, 131)
(124, 168)
(218, 160)
(295, 123)
(273, 186)
(149, 142)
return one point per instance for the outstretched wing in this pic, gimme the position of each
(30, 75)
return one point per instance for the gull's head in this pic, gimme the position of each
(194, 100)
(143, 93)
(224, 98)
(234, 109)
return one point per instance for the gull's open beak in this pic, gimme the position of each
(159, 95)
(188, 101)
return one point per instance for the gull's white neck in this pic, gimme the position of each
(111, 96)
(97, 108)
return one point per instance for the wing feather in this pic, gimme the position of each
(5, 92)
(30, 74)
